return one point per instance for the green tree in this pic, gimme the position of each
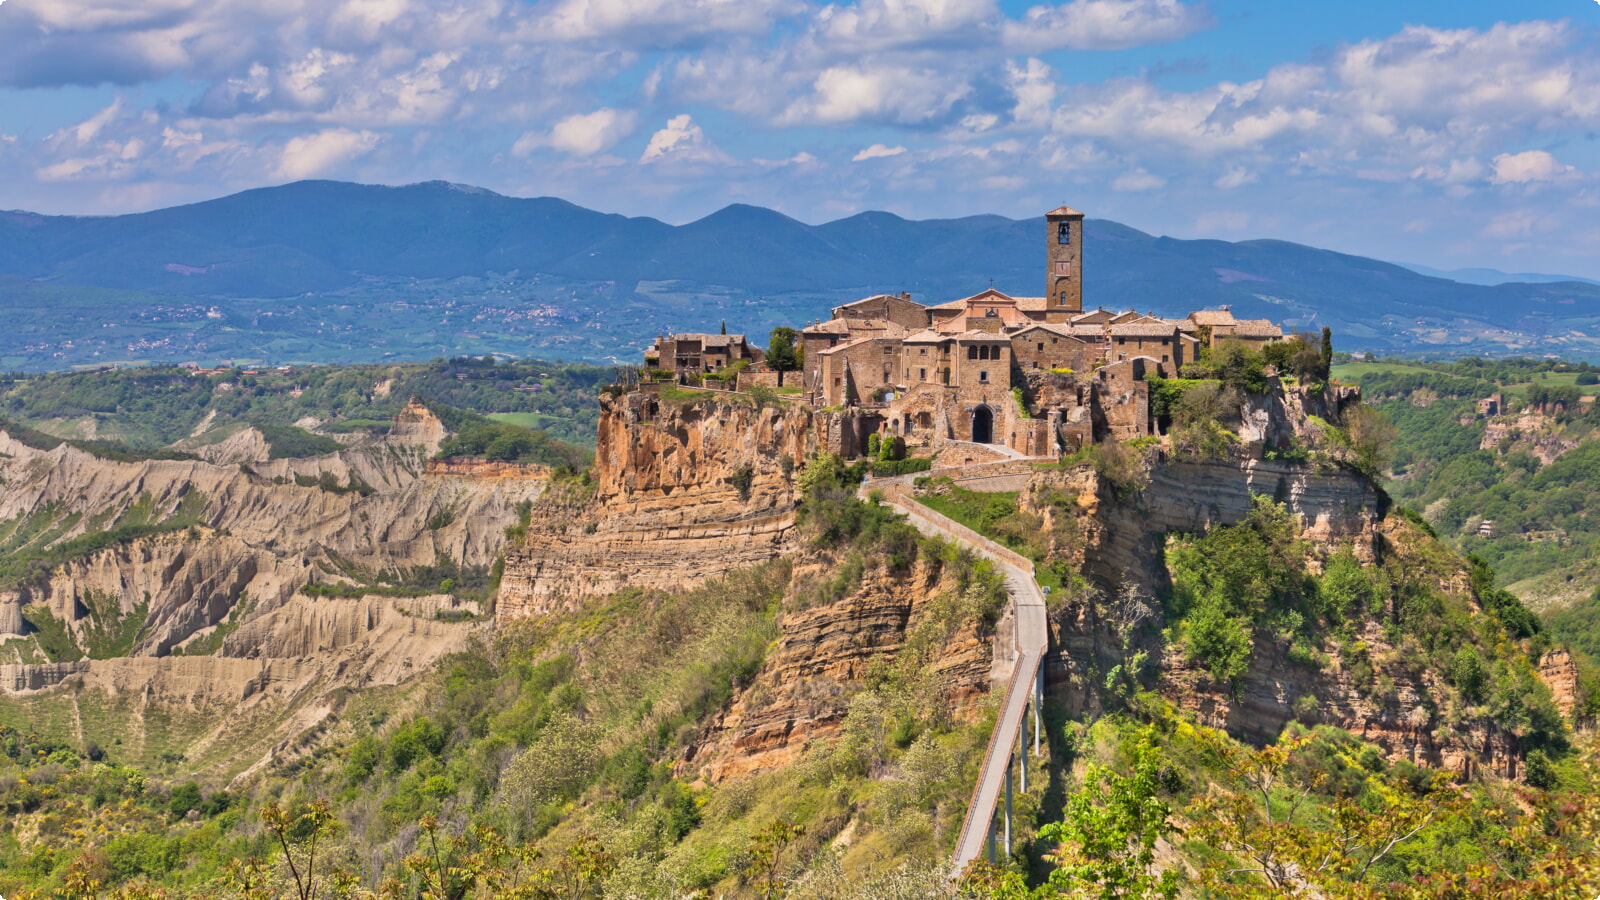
(782, 353)
(1109, 831)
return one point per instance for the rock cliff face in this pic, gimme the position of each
(682, 492)
(1533, 431)
(1395, 702)
(823, 655)
(199, 600)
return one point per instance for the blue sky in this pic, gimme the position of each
(1450, 134)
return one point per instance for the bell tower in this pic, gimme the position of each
(1064, 263)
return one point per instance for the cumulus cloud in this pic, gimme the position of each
(585, 134)
(663, 24)
(681, 140)
(877, 151)
(883, 24)
(1527, 167)
(886, 93)
(310, 155)
(1104, 25)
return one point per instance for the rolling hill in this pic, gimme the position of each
(322, 271)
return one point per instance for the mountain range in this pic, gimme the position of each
(320, 271)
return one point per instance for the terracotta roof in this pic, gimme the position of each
(1094, 330)
(832, 326)
(1063, 211)
(1100, 315)
(1261, 328)
(1067, 331)
(1212, 317)
(980, 336)
(876, 297)
(926, 336)
(1032, 304)
(1144, 329)
(847, 345)
(857, 328)
(986, 294)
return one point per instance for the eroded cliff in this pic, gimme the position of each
(183, 581)
(681, 492)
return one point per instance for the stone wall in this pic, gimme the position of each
(683, 492)
(1040, 349)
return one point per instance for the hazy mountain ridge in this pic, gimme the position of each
(365, 265)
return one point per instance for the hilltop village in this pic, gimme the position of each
(995, 374)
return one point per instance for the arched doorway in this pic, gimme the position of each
(982, 425)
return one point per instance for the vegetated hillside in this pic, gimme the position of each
(1520, 490)
(1528, 472)
(809, 726)
(330, 272)
(156, 406)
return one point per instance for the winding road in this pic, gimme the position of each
(1032, 637)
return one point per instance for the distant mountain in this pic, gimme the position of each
(328, 271)
(1492, 276)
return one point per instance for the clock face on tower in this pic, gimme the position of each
(1064, 233)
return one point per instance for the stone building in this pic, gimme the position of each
(1036, 376)
(697, 354)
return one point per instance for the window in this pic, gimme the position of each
(923, 351)
(1041, 346)
(972, 353)
(836, 381)
(1064, 233)
(1163, 357)
(922, 374)
(983, 377)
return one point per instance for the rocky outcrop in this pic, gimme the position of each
(201, 593)
(282, 676)
(1533, 431)
(477, 467)
(417, 425)
(822, 657)
(682, 492)
(1559, 672)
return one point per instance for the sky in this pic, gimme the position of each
(1451, 134)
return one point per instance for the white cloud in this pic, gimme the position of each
(882, 24)
(662, 24)
(877, 93)
(585, 134)
(310, 155)
(1455, 172)
(1527, 167)
(877, 151)
(681, 140)
(1104, 25)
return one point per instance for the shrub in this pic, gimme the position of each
(742, 479)
(290, 442)
(1218, 641)
(415, 741)
(1467, 673)
(1539, 771)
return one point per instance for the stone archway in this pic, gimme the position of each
(983, 425)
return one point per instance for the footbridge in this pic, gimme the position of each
(1007, 757)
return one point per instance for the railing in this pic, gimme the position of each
(1030, 639)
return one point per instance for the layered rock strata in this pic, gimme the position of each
(683, 491)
